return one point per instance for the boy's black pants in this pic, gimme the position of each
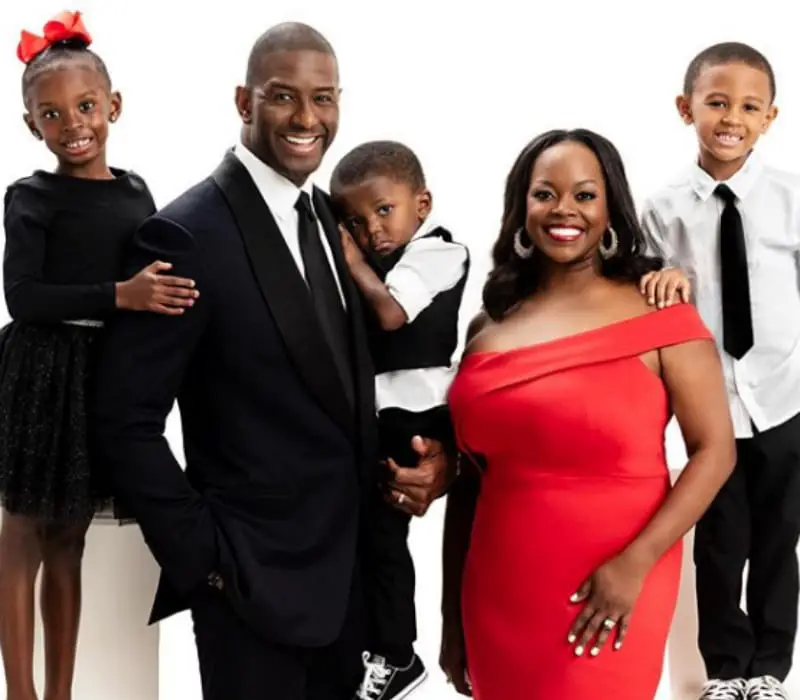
(756, 519)
(389, 568)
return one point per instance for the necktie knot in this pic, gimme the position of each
(303, 206)
(725, 194)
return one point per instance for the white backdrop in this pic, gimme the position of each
(466, 88)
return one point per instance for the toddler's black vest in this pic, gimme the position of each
(432, 337)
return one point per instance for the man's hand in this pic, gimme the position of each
(413, 490)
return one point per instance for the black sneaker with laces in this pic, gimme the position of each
(382, 681)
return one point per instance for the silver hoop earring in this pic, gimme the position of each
(523, 251)
(609, 250)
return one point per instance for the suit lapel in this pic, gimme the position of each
(284, 290)
(362, 361)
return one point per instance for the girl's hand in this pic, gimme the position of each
(150, 291)
(610, 594)
(666, 287)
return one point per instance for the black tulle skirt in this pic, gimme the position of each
(45, 382)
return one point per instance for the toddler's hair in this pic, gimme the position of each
(378, 158)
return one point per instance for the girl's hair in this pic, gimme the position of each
(56, 54)
(512, 278)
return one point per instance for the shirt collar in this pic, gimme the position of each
(279, 193)
(740, 183)
(425, 227)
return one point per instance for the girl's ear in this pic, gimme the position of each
(116, 107)
(28, 119)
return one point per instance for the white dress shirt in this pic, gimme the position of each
(683, 224)
(428, 266)
(281, 196)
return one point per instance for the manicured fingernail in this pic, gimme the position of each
(578, 651)
(571, 639)
(574, 598)
(595, 651)
(617, 645)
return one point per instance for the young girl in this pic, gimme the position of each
(65, 234)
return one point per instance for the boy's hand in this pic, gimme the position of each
(666, 287)
(352, 253)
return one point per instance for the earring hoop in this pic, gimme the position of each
(523, 251)
(609, 250)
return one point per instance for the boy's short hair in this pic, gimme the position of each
(727, 52)
(378, 158)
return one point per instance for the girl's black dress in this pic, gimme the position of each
(65, 240)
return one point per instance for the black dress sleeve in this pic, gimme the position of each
(28, 296)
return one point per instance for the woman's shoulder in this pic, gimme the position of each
(672, 325)
(480, 321)
(625, 300)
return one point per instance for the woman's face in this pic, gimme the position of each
(567, 213)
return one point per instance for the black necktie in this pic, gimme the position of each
(324, 290)
(737, 322)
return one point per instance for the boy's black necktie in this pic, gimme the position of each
(737, 321)
(324, 290)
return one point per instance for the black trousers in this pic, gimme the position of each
(237, 663)
(390, 579)
(756, 519)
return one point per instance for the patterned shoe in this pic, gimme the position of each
(766, 688)
(735, 689)
(382, 681)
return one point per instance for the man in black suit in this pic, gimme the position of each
(259, 536)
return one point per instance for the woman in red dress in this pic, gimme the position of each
(563, 550)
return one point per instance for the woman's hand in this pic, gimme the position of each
(610, 594)
(148, 290)
(453, 656)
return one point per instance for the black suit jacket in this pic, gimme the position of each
(279, 461)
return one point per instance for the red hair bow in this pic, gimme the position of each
(64, 26)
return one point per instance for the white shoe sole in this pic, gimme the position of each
(413, 686)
